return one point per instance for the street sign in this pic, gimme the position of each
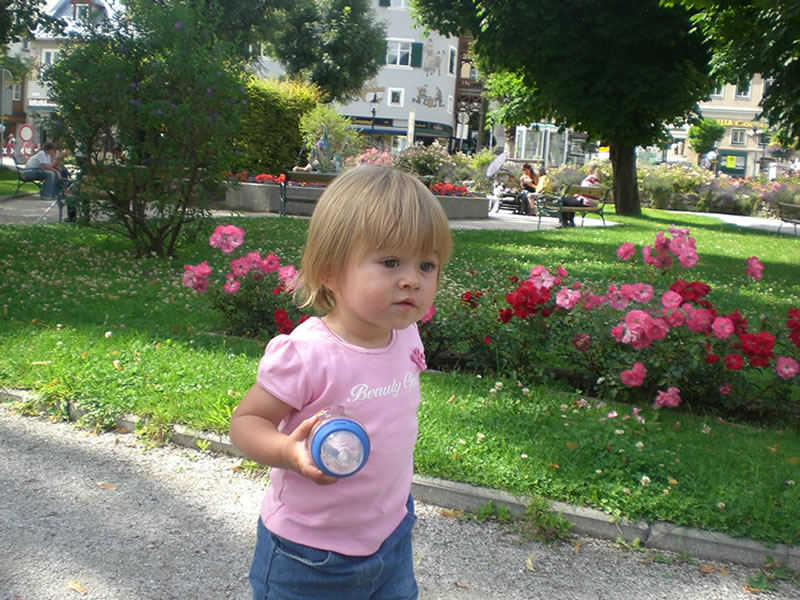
(25, 133)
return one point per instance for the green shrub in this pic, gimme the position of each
(269, 140)
(148, 103)
(427, 161)
(343, 140)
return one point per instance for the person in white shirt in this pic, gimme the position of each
(41, 167)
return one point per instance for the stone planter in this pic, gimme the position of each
(265, 197)
(464, 207)
(253, 197)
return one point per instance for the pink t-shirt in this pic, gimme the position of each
(312, 369)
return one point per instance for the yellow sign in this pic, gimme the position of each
(604, 149)
(730, 162)
(738, 123)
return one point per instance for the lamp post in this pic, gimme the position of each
(374, 104)
(755, 132)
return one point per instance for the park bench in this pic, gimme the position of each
(11, 163)
(553, 206)
(789, 213)
(297, 193)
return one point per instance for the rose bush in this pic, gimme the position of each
(656, 339)
(254, 295)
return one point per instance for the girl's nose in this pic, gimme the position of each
(410, 279)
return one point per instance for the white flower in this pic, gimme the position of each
(523, 455)
(498, 385)
(639, 445)
(108, 334)
(706, 429)
(721, 505)
(619, 432)
(645, 480)
(564, 408)
(526, 392)
(493, 392)
(481, 436)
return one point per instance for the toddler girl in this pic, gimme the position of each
(375, 248)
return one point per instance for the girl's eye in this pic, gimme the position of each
(427, 267)
(390, 262)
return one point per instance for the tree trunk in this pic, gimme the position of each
(626, 190)
(508, 146)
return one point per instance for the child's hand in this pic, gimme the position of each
(297, 456)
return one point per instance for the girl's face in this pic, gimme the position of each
(385, 290)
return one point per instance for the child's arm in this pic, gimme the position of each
(254, 430)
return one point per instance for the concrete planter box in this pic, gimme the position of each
(253, 197)
(265, 197)
(464, 207)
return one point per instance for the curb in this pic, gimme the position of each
(666, 536)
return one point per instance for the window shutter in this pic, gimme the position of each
(382, 59)
(416, 54)
(384, 2)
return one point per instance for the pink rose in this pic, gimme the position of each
(626, 251)
(671, 398)
(754, 268)
(634, 377)
(722, 327)
(786, 367)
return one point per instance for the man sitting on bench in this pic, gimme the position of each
(592, 179)
(41, 167)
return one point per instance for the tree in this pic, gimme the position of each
(149, 104)
(18, 18)
(334, 44)
(757, 36)
(511, 103)
(620, 71)
(704, 134)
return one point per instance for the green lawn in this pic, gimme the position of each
(84, 321)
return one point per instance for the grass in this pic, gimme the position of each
(8, 184)
(84, 321)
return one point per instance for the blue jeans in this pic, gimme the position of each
(284, 570)
(49, 178)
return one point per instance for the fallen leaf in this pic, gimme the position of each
(106, 486)
(672, 481)
(446, 512)
(772, 449)
(451, 398)
(529, 561)
(751, 590)
(708, 569)
(578, 545)
(553, 466)
(41, 362)
(572, 445)
(723, 572)
(460, 585)
(793, 460)
(77, 587)
(236, 468)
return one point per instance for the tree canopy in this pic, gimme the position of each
(335, 44)
(18, 18)
(704, 134)
(618, 70)
(756, 36)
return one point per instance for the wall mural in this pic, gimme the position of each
(425, 99)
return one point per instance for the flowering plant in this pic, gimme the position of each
(255, 293)
(371, 156)
(659, 340)
(448, 189)
(267, 178)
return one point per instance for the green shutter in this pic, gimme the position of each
(416, 54)
(384, 2)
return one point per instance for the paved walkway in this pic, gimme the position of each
(27, 209)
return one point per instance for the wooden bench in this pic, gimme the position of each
(789, 213)
(295, 194)
(553, 206)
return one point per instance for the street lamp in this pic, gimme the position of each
(374, 104)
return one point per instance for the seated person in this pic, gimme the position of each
(545, 185)
(592, 179)
(527, 182)
(41, 167)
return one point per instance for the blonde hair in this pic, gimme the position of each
(368, 209)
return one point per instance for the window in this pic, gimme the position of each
(398, 53)
(16, 92)
(81, 11)
(398, 3)
(49, 57)
(396, 96)
(738, 137)
(717, 92)
(743, 89)
(451, 64)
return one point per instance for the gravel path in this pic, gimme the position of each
(104, 517)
